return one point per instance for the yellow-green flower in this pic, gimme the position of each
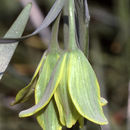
(39, 82)
(78, 92)
(73, 90)
(67, 90)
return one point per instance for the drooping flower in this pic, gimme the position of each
(40, 80)
(67, 89)
(75, 89)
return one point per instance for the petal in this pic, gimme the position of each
(103, 101)
(45, 75)
(26, 92)
(67, 112)
(81, 122)
(49, 90)
(84, 89)
(48, 117)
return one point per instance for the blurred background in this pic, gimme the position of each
(109, 55)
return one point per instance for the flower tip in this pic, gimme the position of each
(23, 114)
(13, 103)
(103, 101)
(105, 123)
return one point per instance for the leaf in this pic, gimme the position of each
(51, 16)
(16, 30)
(67, 111)
(84, 89)
(26, 92)
(49, 90)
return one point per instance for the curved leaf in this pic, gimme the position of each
(16, 30)
(53, 13)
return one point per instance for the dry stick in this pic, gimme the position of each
(37, 17)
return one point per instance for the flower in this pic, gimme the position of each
(78, 92)
(73, 93)
(40, 80)
(67, 90)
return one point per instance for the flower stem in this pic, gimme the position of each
(72, 39)
(66, 22)
(54, 35)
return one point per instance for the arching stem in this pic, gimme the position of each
(72, 31)
(54, 35)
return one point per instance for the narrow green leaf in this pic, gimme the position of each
(49, 90)
(51, 16)
(26, 92)
(16, 30)
(84, 89)
(67, 111)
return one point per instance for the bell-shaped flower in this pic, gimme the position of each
(39, 82)
(72, 92)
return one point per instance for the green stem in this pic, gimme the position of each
(83, 25)
(66, 26)
(54, 35)
(72, 40)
